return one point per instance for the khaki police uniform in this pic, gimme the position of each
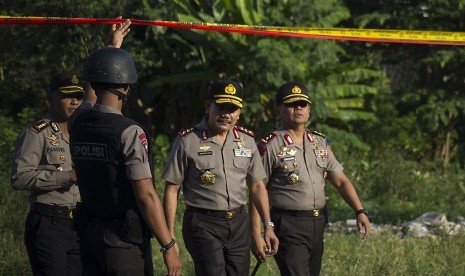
(42, 165)
(104, 250)
(214, 179)
(296, 174)
(295, 183)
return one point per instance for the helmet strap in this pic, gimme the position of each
(121, 96)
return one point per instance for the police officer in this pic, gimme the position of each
(214, 162)
(112, 156)
(297, 163)
(42, 165)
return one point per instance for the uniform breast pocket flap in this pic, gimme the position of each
(56, 158)
(322, 162)
(204, 165)
(241, 162)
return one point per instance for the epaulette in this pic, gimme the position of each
(262, 144)
(318, 133)
(268, 138)
(40, 125)
(184, 132)
(246, 131)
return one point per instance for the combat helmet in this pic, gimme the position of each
(110, 65)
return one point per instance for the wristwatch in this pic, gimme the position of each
(361, 211)
(269, 223)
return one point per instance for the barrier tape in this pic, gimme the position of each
(349, 34)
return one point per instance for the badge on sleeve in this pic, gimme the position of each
(144, 142)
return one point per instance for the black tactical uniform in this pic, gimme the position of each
(109, 151)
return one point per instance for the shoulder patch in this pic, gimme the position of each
(39, 125)
(246, 131)
(264, 141)
(184, 132)
(268, 138)
(318, 133)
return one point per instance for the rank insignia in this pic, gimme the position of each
(204, 135)
(318, 133)
(185, 131)
(245, 130)
(236, 134)
(208, 178)
(53, 139)
(39, 125)
(293, 178)
(268, 138)
(310, 137)
(288, 138)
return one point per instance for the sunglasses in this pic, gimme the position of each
(300, 104)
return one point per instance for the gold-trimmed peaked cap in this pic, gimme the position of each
(226, 92)
(67, 83)
(292, 92)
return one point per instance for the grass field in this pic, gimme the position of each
(345, 254)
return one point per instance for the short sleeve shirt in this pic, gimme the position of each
(296, 174)
(41, 164)
(134, 144)
(214, 176)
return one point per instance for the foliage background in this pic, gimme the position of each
(394, 113)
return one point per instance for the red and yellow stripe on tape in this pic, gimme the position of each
(367, 35)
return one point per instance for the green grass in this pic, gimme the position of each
(345, 254)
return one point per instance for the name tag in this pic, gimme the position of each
(289, 158)
(242, 152)
(200, 153)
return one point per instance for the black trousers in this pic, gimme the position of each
(218, 246)
(301, 244)
(52, 245)
(104, 253)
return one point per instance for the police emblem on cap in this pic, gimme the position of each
(230, 89)
(296, 90)
(74, 80)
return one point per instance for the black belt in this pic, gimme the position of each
(217, 214)
(315, 213)
(54, 210)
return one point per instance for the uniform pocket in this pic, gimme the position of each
(55, 159)
(204, 165)
(241, 162)
(113, 240)
(322, 162)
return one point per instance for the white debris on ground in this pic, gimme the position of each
(428, 225)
